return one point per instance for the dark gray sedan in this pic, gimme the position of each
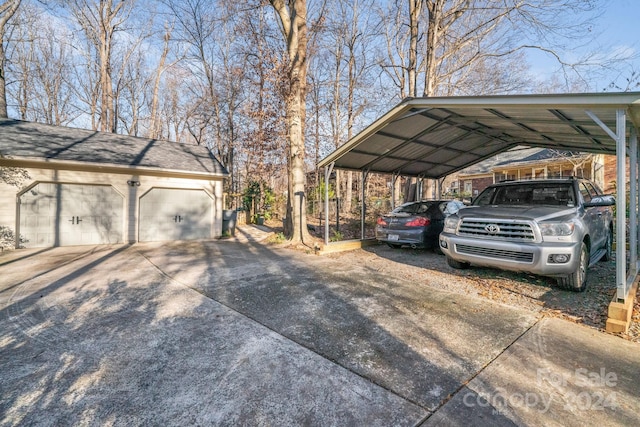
(416, 224)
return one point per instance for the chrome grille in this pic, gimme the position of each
(495, 253)
(512, 230)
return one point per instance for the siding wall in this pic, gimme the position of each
(610, 173)
(131, 195)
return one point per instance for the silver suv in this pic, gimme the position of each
(551, 227)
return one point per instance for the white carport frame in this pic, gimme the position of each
(434, 137)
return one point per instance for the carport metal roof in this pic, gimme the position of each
(435, 136)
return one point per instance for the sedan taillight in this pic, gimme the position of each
(382, 222)
(418, 222)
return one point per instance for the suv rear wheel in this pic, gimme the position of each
(577, 281)
(456, 264)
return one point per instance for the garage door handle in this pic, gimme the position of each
(177, 218)
(78, 220)
(72, 220)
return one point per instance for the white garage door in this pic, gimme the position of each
(175, 214)
(71, 214)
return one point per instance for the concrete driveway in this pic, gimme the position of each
(232, 333)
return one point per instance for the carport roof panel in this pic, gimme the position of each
(433, 137)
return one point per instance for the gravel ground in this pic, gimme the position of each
(538, 294)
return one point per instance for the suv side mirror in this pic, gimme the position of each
(601, 201)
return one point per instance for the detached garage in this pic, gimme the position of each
(81, 187)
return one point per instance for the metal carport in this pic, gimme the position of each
(434, 137)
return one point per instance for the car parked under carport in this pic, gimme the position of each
(415, 224)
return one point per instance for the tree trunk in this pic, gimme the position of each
(348, 197)
(154, 126)
(3, 93)
(7, 10)
(435, 8)
(292, 19)
(415, 7)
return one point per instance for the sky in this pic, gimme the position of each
(619, 32)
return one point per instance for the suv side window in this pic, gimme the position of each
(586, 192)
(595, 191)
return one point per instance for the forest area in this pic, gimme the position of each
(273, 86)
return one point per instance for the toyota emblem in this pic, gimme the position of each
(492, 228)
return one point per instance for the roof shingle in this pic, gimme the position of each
(29, 140)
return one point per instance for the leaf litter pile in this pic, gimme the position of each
(535, 293)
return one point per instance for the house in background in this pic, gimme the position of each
(87, 187)
(527, 163)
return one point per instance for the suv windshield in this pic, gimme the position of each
(559, 194)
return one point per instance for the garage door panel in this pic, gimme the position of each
(175, 214)
(71, 214)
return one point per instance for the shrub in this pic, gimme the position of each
(8, 238)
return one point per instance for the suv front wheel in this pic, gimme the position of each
(457, 264)
(577, 281)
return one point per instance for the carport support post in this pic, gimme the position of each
(634, 135)
(327, 173)
(621, 243)
(633, 202)
(394, 177)
(620, 135)
(363, 209)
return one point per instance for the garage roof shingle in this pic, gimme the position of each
(36, 141)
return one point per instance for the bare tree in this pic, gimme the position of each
(86, 74)
(343, 77)
(628, 83)
(7, 10)
(100, 20)
(460, 42)
(394, 64)
(208, 30)
(262, 138)
(154, 121)
(577, 160)
(292, 17)
(41, 66)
